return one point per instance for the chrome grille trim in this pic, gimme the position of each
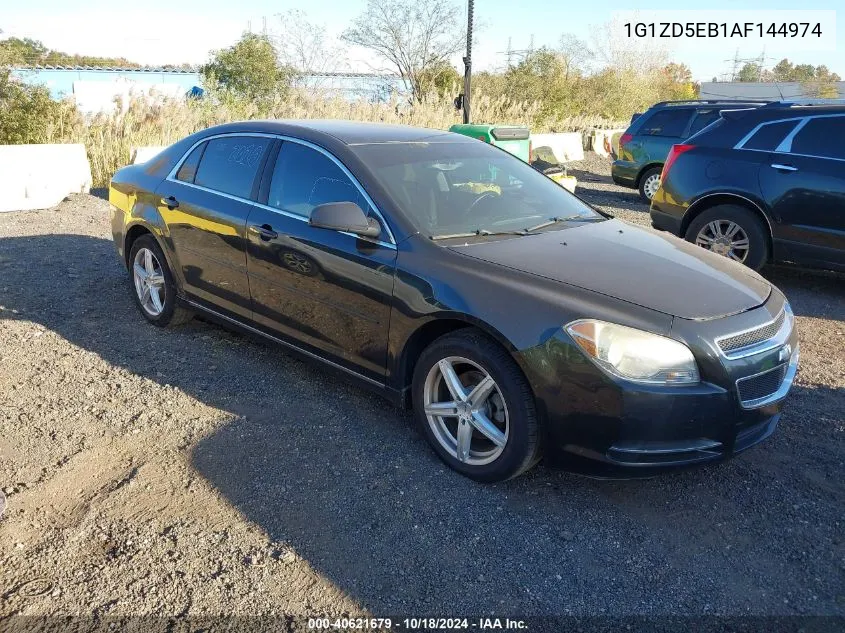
(758, 339)
(767, 387)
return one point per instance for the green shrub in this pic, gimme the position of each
(27, 113)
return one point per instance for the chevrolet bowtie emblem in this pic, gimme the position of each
(784, 353)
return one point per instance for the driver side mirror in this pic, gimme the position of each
(344, 216)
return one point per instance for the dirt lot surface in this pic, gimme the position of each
(196, 471)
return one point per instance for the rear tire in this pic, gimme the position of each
(732, 231)
(490, 437)
(650, 183)
(153, 286)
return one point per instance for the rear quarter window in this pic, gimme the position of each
(769, 136)
(702, 119)
(188, 170)
(670, 122)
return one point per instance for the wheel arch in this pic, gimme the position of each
(645, 168)
(711, 200)
(132, 234)
(431, 330)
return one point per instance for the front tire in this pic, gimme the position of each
(475, 407)
(732, 231)
(153, 286)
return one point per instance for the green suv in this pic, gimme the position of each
(646, 143)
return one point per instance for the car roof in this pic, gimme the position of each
(776, 111)
(347, 132)
(805, 110)
(706, 104)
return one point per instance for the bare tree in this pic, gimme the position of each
(613, 51)
(414, 36)
(306, 47)
(574, 53)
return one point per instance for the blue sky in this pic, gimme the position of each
(165, 31)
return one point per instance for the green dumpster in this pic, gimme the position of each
(511, 138)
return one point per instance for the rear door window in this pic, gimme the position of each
(669, 122)
(769, 136)
(304, 178)
(230, 164)
(823, 137)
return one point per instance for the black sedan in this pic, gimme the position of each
(451, 277)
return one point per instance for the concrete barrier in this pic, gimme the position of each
(566, 146)
(601, 141)
(143, 154)
(41, 176)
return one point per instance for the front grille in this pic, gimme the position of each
(761, 385)
(752, 337)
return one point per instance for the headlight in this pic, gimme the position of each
(635, 355)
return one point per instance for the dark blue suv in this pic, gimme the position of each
(760, 185)
(647, 141)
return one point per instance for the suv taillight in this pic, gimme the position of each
(625, 139)
(676, 151)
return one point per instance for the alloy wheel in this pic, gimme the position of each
(724, 237)
(651, 185)
(297, 262)
(466, 411)
(149, 282)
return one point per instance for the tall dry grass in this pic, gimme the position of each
(109, 138)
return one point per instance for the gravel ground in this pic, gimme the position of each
(199, 472)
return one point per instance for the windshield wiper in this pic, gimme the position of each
(477, 233)
(568, 218)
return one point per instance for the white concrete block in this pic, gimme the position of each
(143, 154)
(566, 146)
(41, 176)
(601, 141)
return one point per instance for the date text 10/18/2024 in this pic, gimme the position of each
(411, 624)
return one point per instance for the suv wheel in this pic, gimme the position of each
(153, 284)
(731, 231)
(475, 407)
(650, 183)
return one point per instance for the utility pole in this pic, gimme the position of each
(468, 62)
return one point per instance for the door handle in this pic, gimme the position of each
(784, 167)
(170, 202)
(264, 231)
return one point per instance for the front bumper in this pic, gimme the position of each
(601, 427)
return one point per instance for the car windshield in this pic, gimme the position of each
(458, 189)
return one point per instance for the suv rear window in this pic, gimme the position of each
(669, 122)
(768, 137)
(821, 137)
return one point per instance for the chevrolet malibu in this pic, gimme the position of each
(516, 321)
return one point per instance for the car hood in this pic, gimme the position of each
(638, 265)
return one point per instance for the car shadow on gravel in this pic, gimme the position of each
(337, 474)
